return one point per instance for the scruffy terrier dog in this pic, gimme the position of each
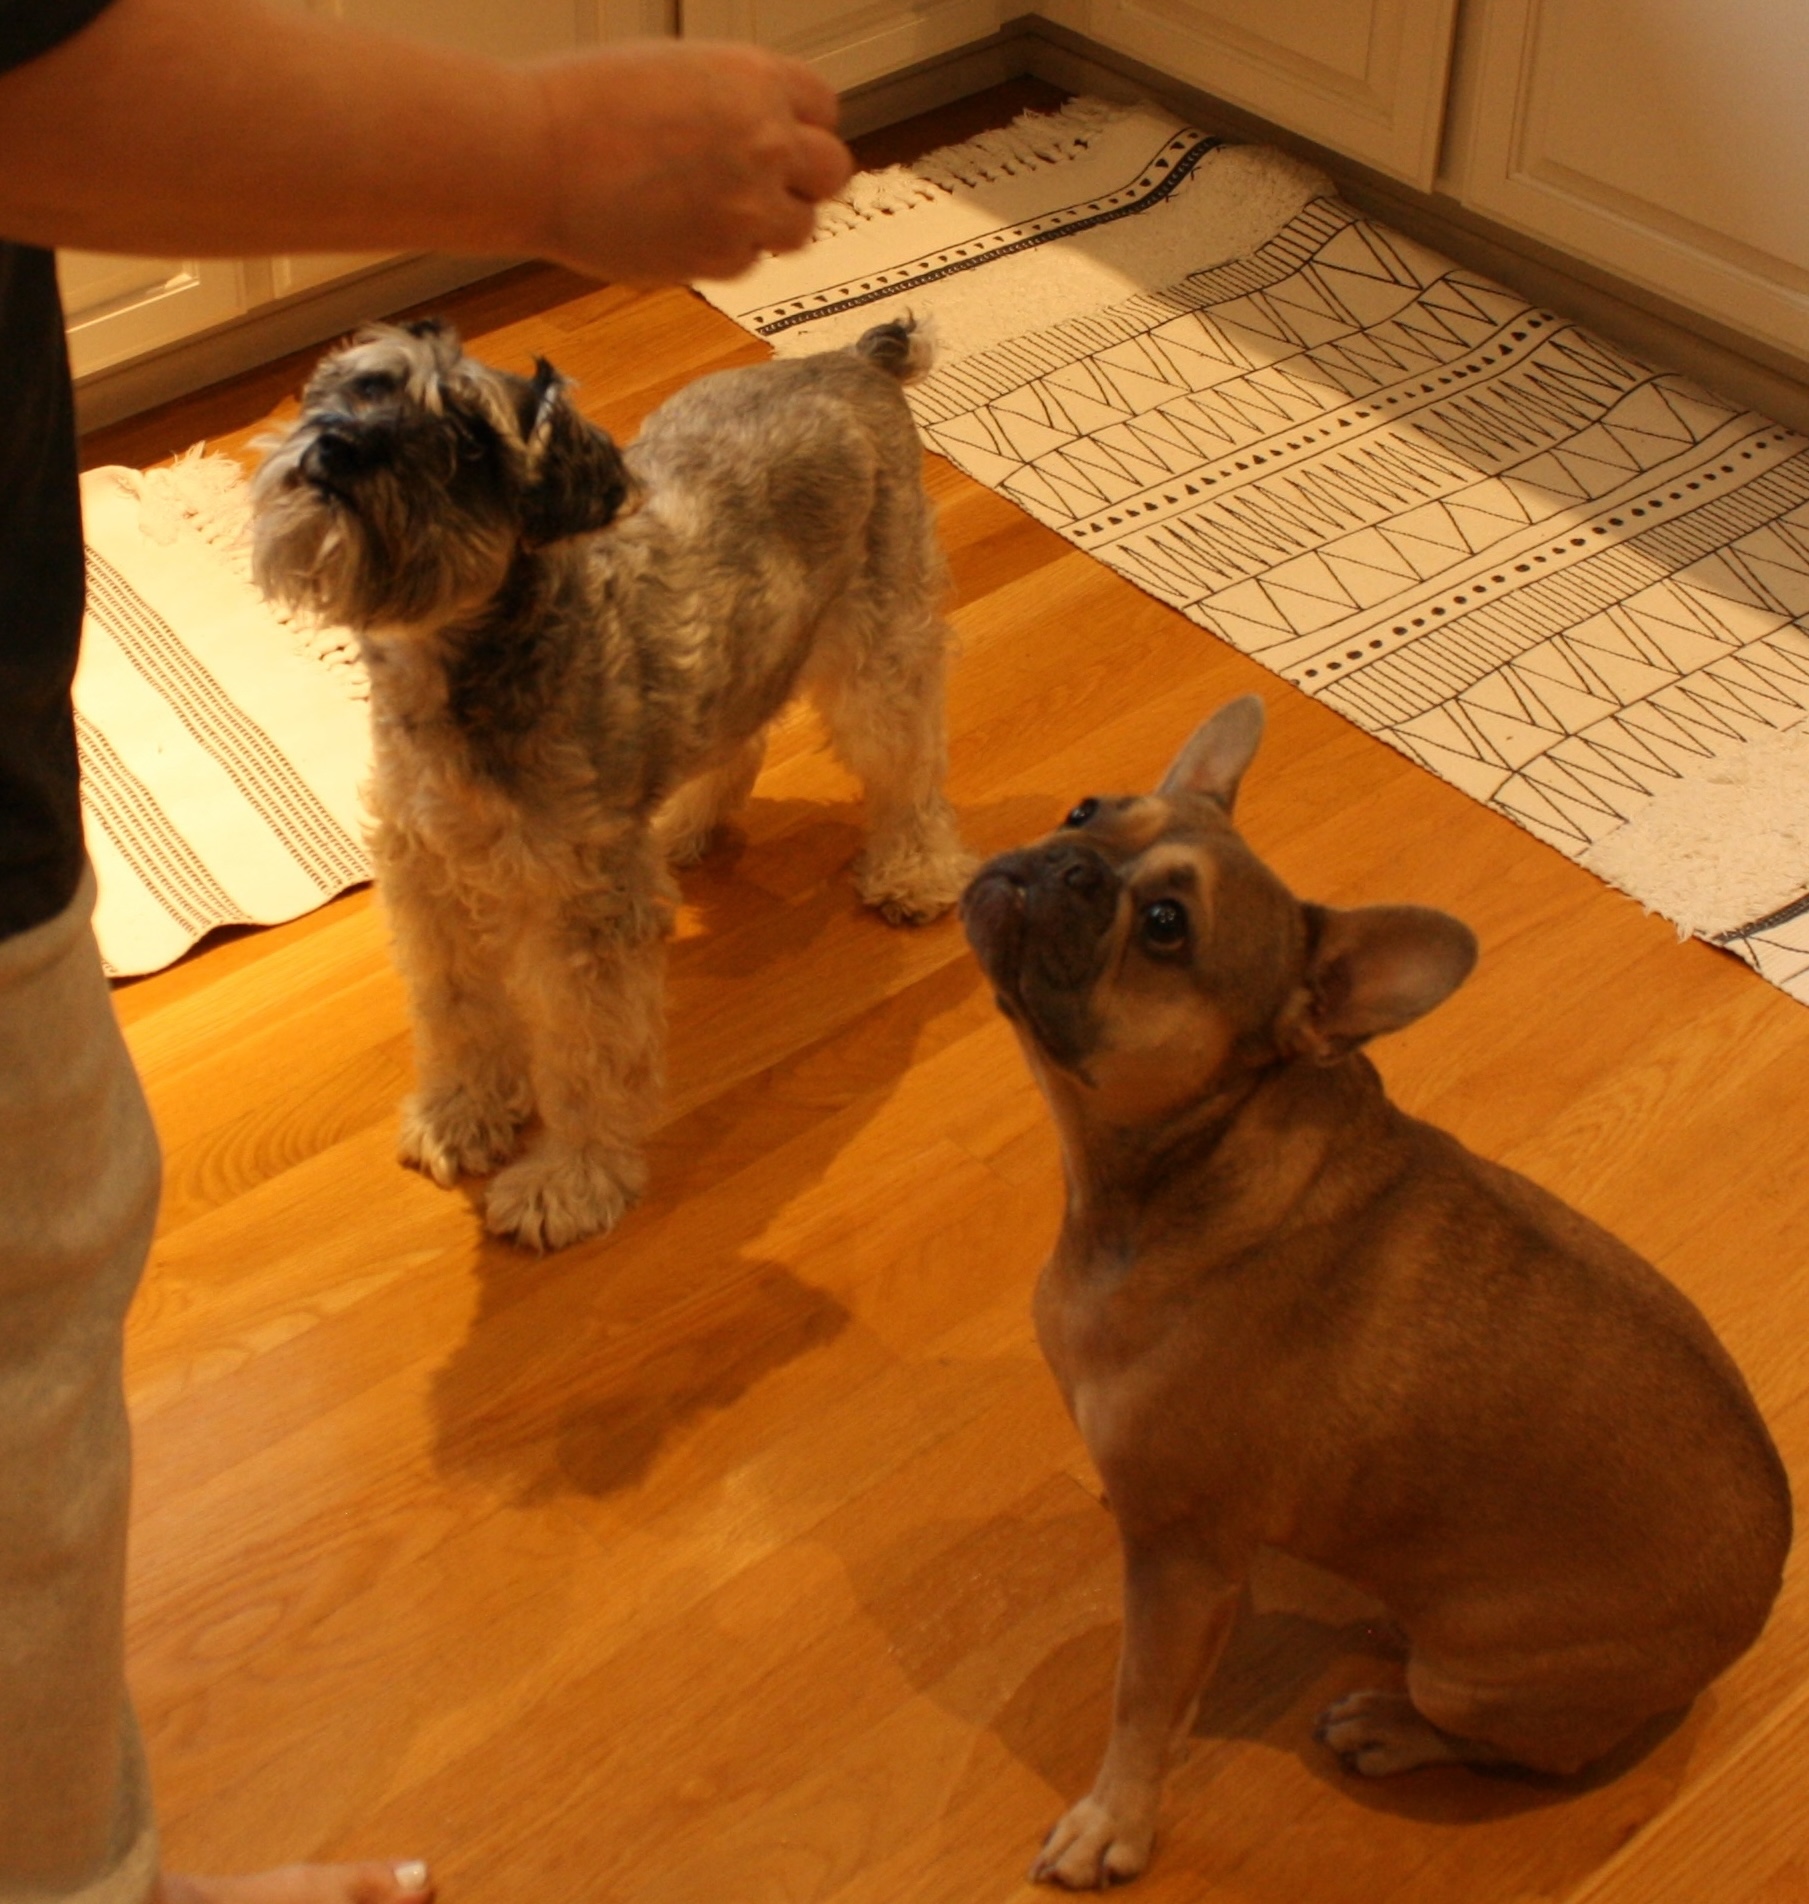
(1286, 1314)
(574, 652)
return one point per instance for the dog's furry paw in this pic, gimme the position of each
(911, 890)
(448, 1134)
(1090, 1848)
(555, 1197)
(1377, 1733)
(689, 848)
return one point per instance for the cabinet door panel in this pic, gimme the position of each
(307, 271)
(117, 308)
(847, 41)
(1366, 77)
(1662, 138)
(517, 29)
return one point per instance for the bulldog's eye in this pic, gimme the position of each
(1164, 925)
(1082, 813)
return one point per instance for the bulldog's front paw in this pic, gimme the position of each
(555, 1197)
(1091, 1847)
(451, 1132)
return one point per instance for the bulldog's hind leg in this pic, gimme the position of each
(1378, 1732)
(688, 821)
(883, 704)
(1445, 1717)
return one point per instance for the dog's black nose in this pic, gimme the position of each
(1071, 882)
(1080, 868)
(336, 456)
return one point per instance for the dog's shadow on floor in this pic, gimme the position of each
(579, 1369)
(1302, 1641)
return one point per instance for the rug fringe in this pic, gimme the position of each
(1722, 847)
(208, 494)
(1031, 142)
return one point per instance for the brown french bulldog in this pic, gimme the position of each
(1284, 1313)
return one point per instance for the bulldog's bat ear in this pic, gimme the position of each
(1213, 761)
(576, 480)
(1371, 970)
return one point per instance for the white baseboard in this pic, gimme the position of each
(936, 82)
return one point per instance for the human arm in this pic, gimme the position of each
(214, 127)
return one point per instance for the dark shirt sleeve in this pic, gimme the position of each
(40, 548)
(31, 27)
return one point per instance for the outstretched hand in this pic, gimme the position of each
(677, 160)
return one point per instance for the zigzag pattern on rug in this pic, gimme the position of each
(1562, 580)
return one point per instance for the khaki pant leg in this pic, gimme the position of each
(79, 1176)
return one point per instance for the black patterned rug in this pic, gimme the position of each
(1572, 585)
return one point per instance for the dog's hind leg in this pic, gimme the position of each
(883, 705)
(687, 823)
(1555, 1722)
(589, 980)
(1378, 1732)
(471, 1062)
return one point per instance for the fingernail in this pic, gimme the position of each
(412, 1877)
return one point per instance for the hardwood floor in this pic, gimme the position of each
(748, 1556)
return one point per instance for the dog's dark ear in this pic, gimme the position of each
(440, 338)
(1214, 759)
(576, 481)
(1373, 970)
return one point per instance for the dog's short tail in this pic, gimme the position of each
(903, 348)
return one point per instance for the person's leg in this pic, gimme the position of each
(78, 1195)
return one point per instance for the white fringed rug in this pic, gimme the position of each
(222, 750)
(1574, 587)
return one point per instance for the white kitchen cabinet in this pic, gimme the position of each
(120, 308)
(1657, 139)
(1661, 139)
(848, 41)
(1365, 77)
(506, 29)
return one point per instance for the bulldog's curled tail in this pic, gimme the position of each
(902, 348)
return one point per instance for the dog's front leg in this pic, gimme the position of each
(589, 981)
(471, 1063)
(1179, 1608)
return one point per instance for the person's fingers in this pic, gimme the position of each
(792, 226)
(821, 165)
(730, 261)
(383, 1883)
(812, 98)
(370, 1883)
